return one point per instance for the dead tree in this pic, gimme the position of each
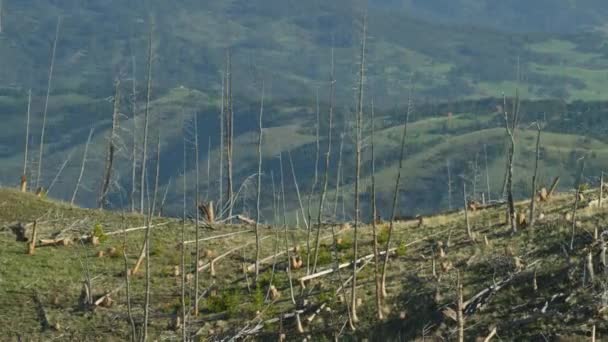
(229, 132)
(396, 192)
(358, 142)
(107, 177)
(259, 190)
(534, 177)
(460, 310)
(485, 153)
(46, 103)
(449, 184)
(511, 127)
(196, 223)
(82, 166)
(134, 135)
(315, 180)
(27, 127)
(183, 251)
(293, 300)
(327, 159)
(142, 175)
(374, 219)
(157, 176)
(466, 209)
(221, 151)
(339, 172)
(576, 200)
(127, 282)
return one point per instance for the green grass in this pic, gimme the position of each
(56, 274)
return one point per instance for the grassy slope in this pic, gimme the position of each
(57, 274)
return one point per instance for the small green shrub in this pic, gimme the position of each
(99, 233)
(228, 301)
(382, 235)
(401, 248)
(324, 256)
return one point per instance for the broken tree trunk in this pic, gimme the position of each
(32, 243)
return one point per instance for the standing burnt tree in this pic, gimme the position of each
(511, 123)
(107, 175)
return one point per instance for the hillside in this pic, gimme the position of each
(287, 44)
(541, 286)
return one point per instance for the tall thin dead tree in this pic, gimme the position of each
(142, 175)
(221, 151)
(396, 193)
(134, 134)
(107, 177)
(196, 228)
(374, 220)
(259, 190)
(229, 132)
(339, 173)
(449, 169)
(485, 153)
(27, 131)
(315, 180)
(157, 176)
(82, 166)
(466, 208)
(358, 142)
(534, 176)
(183, 251)
(511, 127)
(332, 90)
(46, 103)
(577, 200)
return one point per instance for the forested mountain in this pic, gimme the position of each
(452, 54)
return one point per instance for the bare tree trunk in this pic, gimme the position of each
(27, 128)
(327, 160)
(157, 176)
(338, 174)
(127, 282)
(460, 311)
(601, 196)
(208, 170)
(295, 182)
(466, 209)
(396, 194)
(533, 196)
(107, 178)
(84, 161)
(229, 133)
(222, 152)
(488, 191)
(576, 200)
(148, 277)
(144, 152)
(358, 170)
(449, 185)
(374, 228)
(134, 142)
(293, 300)
(259, 190)
(314, 184)
(183, 253)
(511, 155)
(196, 227)
(46, 103)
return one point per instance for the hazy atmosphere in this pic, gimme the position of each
(385, 170)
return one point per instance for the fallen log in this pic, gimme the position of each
(218, 236)
(340, 266)
(54, 242)
(216, 259)
(103, 298)
(245, 219)
(251, 267)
